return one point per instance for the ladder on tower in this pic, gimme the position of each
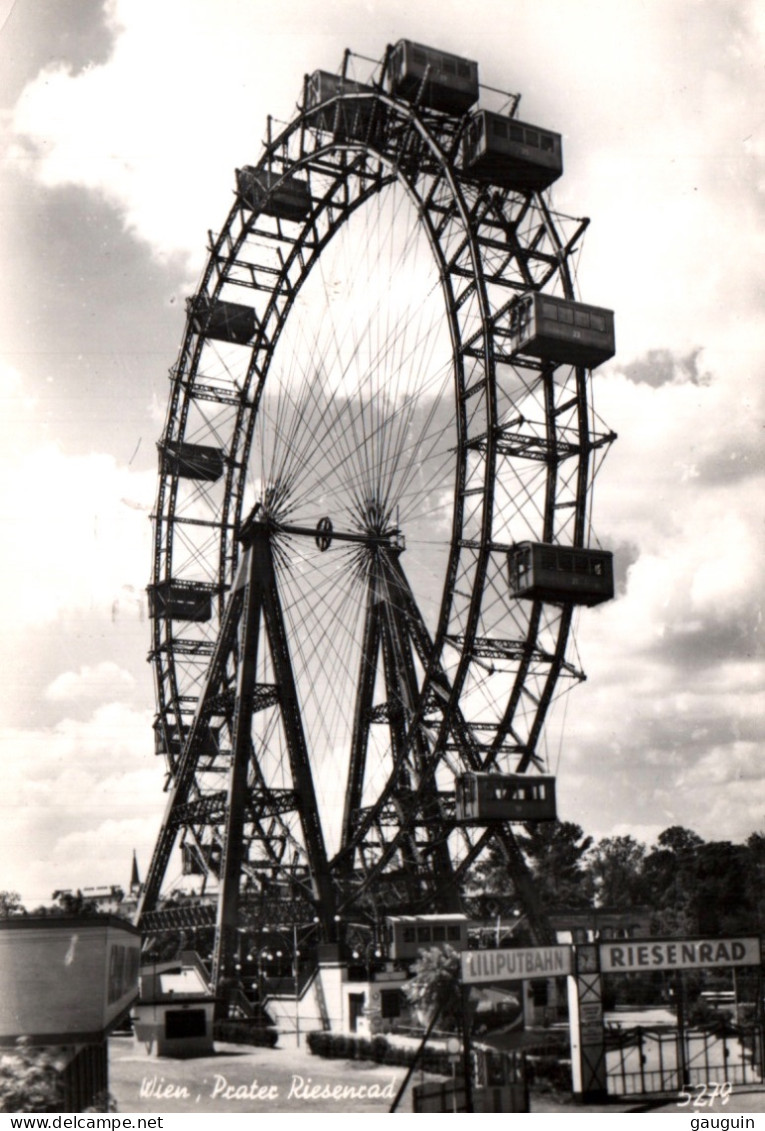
(321, 1001)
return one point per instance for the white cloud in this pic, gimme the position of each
(674, 691)
(188, 84)
(99, 854)
(72, 537)
(741, 762)
(159, 127)
(671, 492)
(101, 681)
(648, 834)
(77, 798)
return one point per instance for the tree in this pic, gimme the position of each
(670, 872)
(755, 880)
(721, 900)
(670, 877)
(682, 843)
(74, 903)
(556, 851)
(437, 986)
(616, 866)
(10, 904)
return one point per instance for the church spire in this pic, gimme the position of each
(135, 879)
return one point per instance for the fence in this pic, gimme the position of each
(649, 1061)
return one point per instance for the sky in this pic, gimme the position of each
(121, 122)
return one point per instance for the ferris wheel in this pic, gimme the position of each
(372, 522)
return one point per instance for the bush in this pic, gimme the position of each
(548, 1073)
(701, 1014)
(30, 1080)
(378, 1049)
(241, 1031)
(318, 1042)
(334, 1046)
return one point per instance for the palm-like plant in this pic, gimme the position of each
(435, 991)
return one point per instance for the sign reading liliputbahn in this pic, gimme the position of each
(515, 965)
(678, 954)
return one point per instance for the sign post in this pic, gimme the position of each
(467, 1059)
(585, 1000)
(585, 1015)
(584, 966)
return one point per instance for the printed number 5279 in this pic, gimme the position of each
(706, 1094)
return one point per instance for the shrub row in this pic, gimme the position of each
(242, 1031)
(349, 1047)
(545, 1073)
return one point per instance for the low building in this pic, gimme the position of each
(599, 924)
(175, 1010)
(65, 982)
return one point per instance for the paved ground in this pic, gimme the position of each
(288, 1079)
(283, 1079)
(276, 1080)
(743, 1101)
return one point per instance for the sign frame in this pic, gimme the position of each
(516, 965)
(643, 956)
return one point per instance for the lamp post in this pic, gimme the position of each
(254, 982)
(296, 972)
(453, 1048)
(367, 953)
(263, 956)
(370, 951)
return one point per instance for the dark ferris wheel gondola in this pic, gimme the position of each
(379, 425)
